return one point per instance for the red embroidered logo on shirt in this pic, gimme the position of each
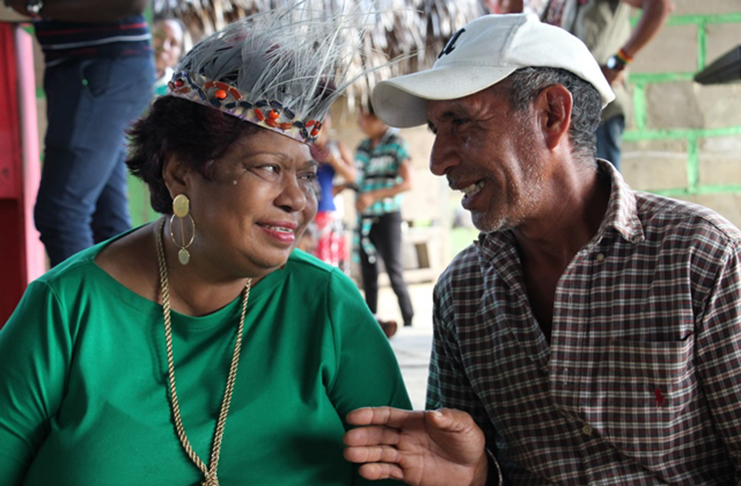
(659, 397)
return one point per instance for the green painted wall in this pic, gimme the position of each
(641, 130)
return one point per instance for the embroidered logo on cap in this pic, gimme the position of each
(451, 44)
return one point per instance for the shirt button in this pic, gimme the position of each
(587, 429)
(600, 257)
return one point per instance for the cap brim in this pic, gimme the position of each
(402, 102)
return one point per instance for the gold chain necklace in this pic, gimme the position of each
(211, 478)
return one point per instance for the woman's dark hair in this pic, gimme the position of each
(196, 134)
(525, 85)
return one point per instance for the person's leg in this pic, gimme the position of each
(90, 104)
(112, 216)
(369, 274)
(609, 139)
(386, 236)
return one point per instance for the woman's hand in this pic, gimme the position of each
(431, 448)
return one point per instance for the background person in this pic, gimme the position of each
(201, 348)
(604, 26)
(168, 35)
(592, 332)
(98, 78)
(384, 173)
(335, 164)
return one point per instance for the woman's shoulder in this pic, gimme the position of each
(311, 266)
(76, 268)
(96, 270)
(317, 273)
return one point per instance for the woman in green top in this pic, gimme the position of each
(201, 348)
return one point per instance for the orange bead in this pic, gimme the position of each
(179, 83)
(310, 123)
(271, 123)
(259, 114)
(314, 132)
(220, 94)
(286, 126)
(274, 114)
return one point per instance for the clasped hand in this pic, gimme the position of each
(422, 448)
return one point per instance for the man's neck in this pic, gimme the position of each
(548, 244)
(572, 217)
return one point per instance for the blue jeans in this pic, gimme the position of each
(609, 138)
(82, 198)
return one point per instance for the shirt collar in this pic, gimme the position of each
(622, 210)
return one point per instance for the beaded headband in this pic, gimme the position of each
(270, 114)
(281, 69)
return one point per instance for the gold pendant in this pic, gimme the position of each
(183, 256)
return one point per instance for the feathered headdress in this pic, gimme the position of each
(280, 69)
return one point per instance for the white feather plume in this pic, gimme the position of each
(299, 55)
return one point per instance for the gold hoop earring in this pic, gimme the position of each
(181, 210)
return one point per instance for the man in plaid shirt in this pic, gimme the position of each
(592, 334)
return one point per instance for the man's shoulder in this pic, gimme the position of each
(669, 216)
(465, 266)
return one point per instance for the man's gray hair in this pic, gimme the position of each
(526, 83)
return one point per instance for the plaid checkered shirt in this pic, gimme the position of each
(641, 382)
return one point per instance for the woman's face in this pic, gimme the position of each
(254, 211)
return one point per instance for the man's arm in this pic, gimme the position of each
(83, 10)
(718, 355)
(653, 17)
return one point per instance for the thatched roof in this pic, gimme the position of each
(415, 30)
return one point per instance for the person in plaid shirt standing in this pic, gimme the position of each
(384, 173)
(592, 333)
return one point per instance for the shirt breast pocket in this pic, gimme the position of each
(641, 393)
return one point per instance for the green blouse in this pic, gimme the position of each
(84, 400)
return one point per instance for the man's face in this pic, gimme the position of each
(489, 152)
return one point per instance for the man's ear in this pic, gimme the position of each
(175, 175)
(554, 105)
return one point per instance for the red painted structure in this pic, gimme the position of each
(21, 253)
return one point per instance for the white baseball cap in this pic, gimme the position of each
(481, 54)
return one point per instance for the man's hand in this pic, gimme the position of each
(433, 448)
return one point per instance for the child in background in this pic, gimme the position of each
(384, 173)
(168, 35)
